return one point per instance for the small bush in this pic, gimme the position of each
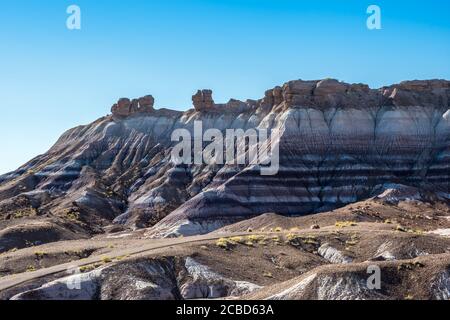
(255, 238)
(310, 240)
(120, 258)
(26, 212)
(106, 260)
(73, 215)
(276, 240)
(404, 229)
(31, 269)
(345, 224)
(237, 239)
(297, 240)
(40, 254)
(88, 268)
(223, 243)
(292, 237)
(417, 231)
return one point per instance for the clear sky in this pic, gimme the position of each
(52, 79)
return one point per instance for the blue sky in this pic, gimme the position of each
(53, 79)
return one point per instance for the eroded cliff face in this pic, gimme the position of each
(338, 142)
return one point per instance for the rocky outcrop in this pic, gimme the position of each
(155, 279)
(333, 255)
(203, 100)
(337, 142)
(425, 278)
(203, 283)
(332, 93)
(125, 107)
(441, 286)
(393, 194)
(146, 104)
(418, 93)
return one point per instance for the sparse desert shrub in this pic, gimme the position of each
(236, 239)
(310, 240)
(71, 214)
(354, 240)
(345, 224)
(276, 239)
(417, 231)
(351, 242)
(291, 237)
(87, 268)
(30, 269)
(401, 229)
(25, 212)
(224, 243)
(106, 260)
(120, 258)
(408, 266)
(297, 240)
(40, 254)
(278, 229)
(404, 229)
(255, 238)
